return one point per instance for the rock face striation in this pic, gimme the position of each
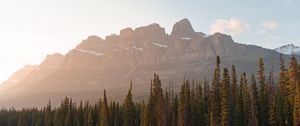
(135, 54)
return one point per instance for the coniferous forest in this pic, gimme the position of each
(230, 98)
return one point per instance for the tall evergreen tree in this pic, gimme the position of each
(157, 103)
(293, 69)
(215, 96)
(283, 79)
(90, 118)
(129, 108)
(254, 102)
(225, 96)
(175, 110)
(246, 99)
(263, 95)
(104, 112)
(145, 115)
(296, 110)
(184, 105)
(233, 95)
(282, 103)
(272, 111)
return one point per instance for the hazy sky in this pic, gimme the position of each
(31, 29)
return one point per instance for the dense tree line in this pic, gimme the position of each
(228, 100)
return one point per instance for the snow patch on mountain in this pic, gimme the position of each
(160, 45)
(90, 52)
(186, 38)
(289, 49)
(137, 48)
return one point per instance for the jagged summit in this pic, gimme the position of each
(221, 37)
(288, 49)
(182, 28)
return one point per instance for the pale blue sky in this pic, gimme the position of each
(30, 29)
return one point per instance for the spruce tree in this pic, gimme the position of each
(145, 115)
(90, 118)
(283, 79)
(293, 69)
(246, 99)
(184, 105)
(263, 95)
(254, 102)
(175, 110)
(157, 114)
(104, 115)
(296, 109)
(129, 108)
(233, 94)
(225, 96)
(282, 104)
(215, 96)
(272, 111)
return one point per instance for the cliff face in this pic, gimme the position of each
(111, 63)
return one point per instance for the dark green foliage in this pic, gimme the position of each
(184, 113)
(129, 108)
(215, 96)
(263, 95)
(225, 103)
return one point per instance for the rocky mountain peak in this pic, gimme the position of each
(221, 38)
(153, 32)
(288, 49)
(126, 32)
(90, 43)
(53, 60)
(182, 28)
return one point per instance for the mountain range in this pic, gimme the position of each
(134, 54)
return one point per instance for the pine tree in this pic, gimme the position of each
(215, 96)
(104, 112)
(145, 115)
(296, 110)
(270, 86)
(48, 119)
(169, 98)
(129, 108)
(246, 99)
(151, 105)
(263, 96)
(283, 79)
(272, 111)
(293, 67)
(206, 102)
(198, 105)
(184, 105)
(254, 102)
(233, 95)
(175, 110)
(57, 119)
(282, 104)
(225, 112)
(90, 118)
(68, 119)
(157, 113)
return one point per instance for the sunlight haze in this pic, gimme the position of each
(31, 29)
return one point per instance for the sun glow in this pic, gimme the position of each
(19, 48)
